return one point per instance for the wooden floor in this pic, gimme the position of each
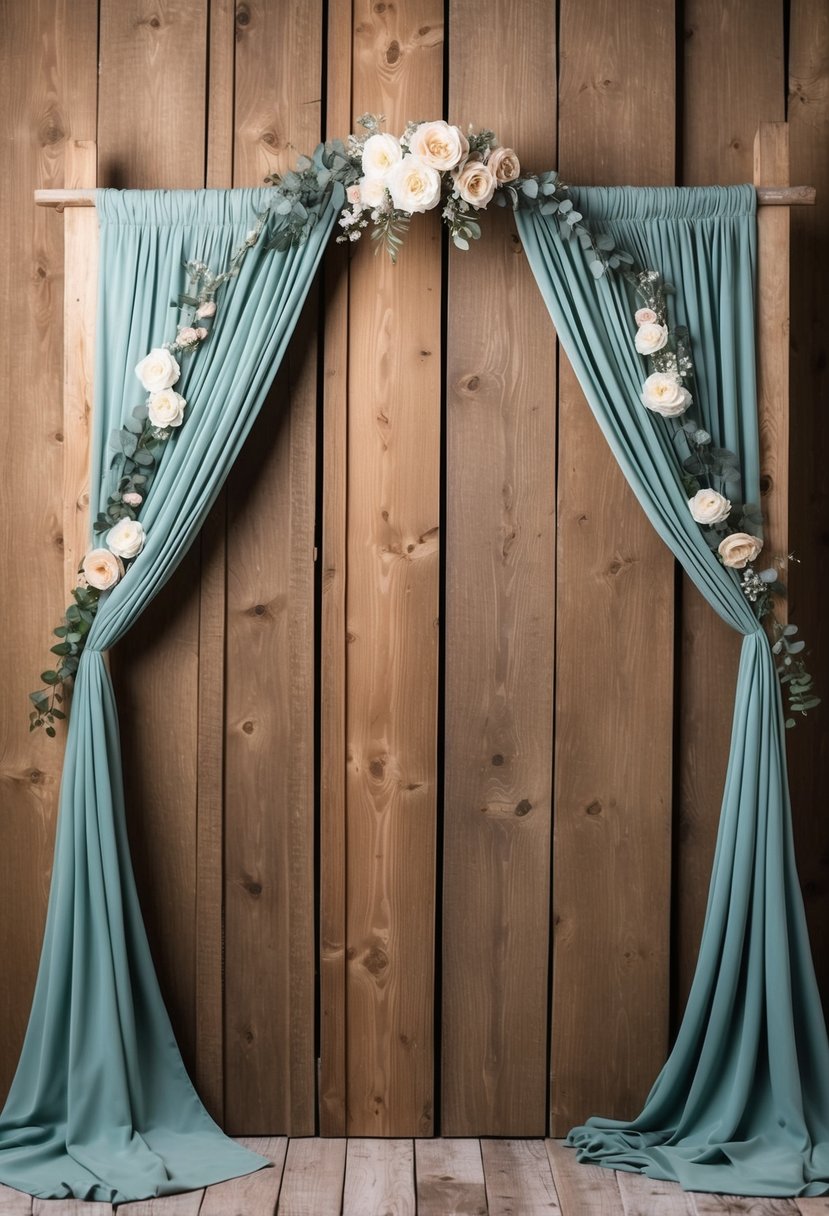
(425, 1178)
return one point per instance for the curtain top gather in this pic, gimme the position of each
(159, 208)
(695, 203)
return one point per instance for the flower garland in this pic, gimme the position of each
(387, 180)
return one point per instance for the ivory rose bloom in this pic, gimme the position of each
(380, 153)
(187, 336)
(102, 569)
(651, 337)
(438, 145)
(738, 549)
(504, 164)
(208, 309)
(372, 191)
(475, 183)
(132, 499)
(166, 408)
(413, 185)
(709, 507)
(665, 395)
(645, 316)
(126, 538)
(158, 370)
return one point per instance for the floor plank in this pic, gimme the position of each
(68, 1207)
(14, 1203)
(519, 1181)
(643, 1196)
(312, 1182)
(254, 1194)
(741, 1205)
(379, 1178)
(583, 1190)
(450, 1178)
(187, 1204)
(813, 1207)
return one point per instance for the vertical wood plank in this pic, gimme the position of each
(732, 77)
(808, 743)
(379, 1178)
(519, 1178)
(48, 94)
(500, 593)
(332, 1071)
(392, 603)
(269, 826)
(153, 60)
(312, 1184)
(450, 1178)
(614, 639)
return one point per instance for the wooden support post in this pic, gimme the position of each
(771, 164)
(79, 306)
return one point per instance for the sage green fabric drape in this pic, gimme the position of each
(742, 1104)
(101, 1106)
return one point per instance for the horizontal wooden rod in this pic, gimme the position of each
(767, 196)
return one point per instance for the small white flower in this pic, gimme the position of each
(738, 549)
(158, 370)
(380, 153)
(709, 507)
(125, 539)
(166, 408)
(372, 191)
(413, 185)
(665, 395)
(651, 337)
(101, 569)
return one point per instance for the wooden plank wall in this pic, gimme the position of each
(442, 752)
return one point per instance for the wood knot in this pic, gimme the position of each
(248, 728)
(377, 769)
(242, 15)
(253, 888)
(393, 52)
(269, 138)
(524, 807)
(497, 759)
(59, 436)
(36, 776)
(376, 961)
(766, 483)
(595, 808)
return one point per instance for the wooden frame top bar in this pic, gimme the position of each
(767, 196)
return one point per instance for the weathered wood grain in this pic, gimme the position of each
(500, 595)
(14, 1203)
(253, 1193)
(332, 1070)
(812, 1207)
(808, 743)
(586, 1190)
(152, 66)
(187, 1204)
(740, 1205)
(48, 97)
(70, 1207)
(312, 1183)
(642, 1196)
(392, 606)
(614, 638)
(450, 1178)
(379, 1178)
(269, 809)
(732, 78)
(519, 1179)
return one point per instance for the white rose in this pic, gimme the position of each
(504, 164)
(738, 549)
(101, 569)
(158, 370)
(709, 507)
(372, 191)
(126, 538)
(651, 337)
(380, 154)
(439, 145)
(665, 395)
(413, 186)
(475, 183)
(166, 408)
(645, 316)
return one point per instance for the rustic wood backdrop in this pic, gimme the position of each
(425, 741)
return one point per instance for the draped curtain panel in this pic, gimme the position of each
(101, 1106)
(742, 1104)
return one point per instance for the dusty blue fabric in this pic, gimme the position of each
(101, 1106)
(742, 1104)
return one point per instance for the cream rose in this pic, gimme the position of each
(651, 337)
(126, 538)
(372, 191)
(475, 183)
(439, 145)
(132, 499)
(709, 507)
(166, 408)
(645, 316)
(188, 336)
(413, 185)
(380, 153)
(665, 395)
(738, 549)
(102, 569)
(208, 309)
(158, 370)
(504, 164)
(353, 193)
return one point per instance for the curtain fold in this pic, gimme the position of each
(101, 1106)
(742, 1103)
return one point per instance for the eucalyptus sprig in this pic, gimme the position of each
(71, 635)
